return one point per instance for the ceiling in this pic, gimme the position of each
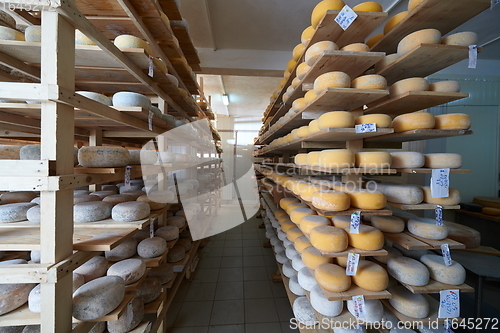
(244, 45)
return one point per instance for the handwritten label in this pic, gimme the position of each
(445, 249)
(346, 17)
(366, 128)
(151, 71)
(359, 307)
(127, 177)
(352, 264)
(355, 222)
(472, 56)
(150, 120)
(449, 303)
(439, 215)
(151, 228)
(440, 183)
(447, 326)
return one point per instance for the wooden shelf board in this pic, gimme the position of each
(20, 316)
(421, 206)
(420, 134)
(153, 262)
(429, 170)
(436, 244)
(355, 291)
(412, 242)
(434, 287)
(414, 101)
(344, 99)
(155, 305)
(479, 215)
(350, 249)
(432, 318)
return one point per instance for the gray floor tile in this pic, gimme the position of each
(172, 313)
(231, 262)
(284, 308)
(228, 312)
(232, 252)
(254, 261)
(201, 291)
(229, 290)
(278, 289)
(235, 230)
(221, 236)
(194, 314)
(260, 311)
(271, 261)
(251, 242)
(206, 275)
(181, 292)
(233, 236)
(189, 330)
(263, 328)
(227, 329)
(209, 262)
(213, 252)
(231, 274)
(257, 289)
(214, 243)
(252, 236)
(233, 243)
(252, 251)
(256, 273)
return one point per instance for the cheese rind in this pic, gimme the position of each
(385, 62)
(366, 199)
(322, 305)
(409, 304)
(453, 121)
(411, 84)
(332, 277)
(313, 158)
(306, 279)
(293, 233)
(294, 286)
(373, 159)
(443, 160)
(409, 271)
(329, 239)
(445, 86)
(130, 270)
(411, 41)
(130, 211)
(336, 158)
(369, 238)
(297, 214)
(123, 251)
(413, 121)
(370, 276)
(307, 34)
(374, 310)
(321, 8)
(103, 157)
(427, 228)
(312, 258)
(394, 21)
(314, 52)
(301, 70)
(451, 200)
(331, 200)
(453, 274)
(286, 201)
(15, 212)
(372, 81)
(151, 247)
(7, 33)
(381, 120)
(336, 119)
(374, 40)
(465, 38)
(407, 159)
(331, 80)
(390, 224)
(356, 47)
(94, 268)
(403, 194)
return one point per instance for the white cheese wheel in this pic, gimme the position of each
(288, 270)
(165, 272)
(391, 252)
(17, 197)
(78, 281)
(453, 274)
(9, 152)
(102, 194)
(443, 160)
(356, 47)
(367, 199)
(452, 199)
(331, 80)
(294, 286)
(409, 304)
(7, 33)
(15, 212)
(33, 214)
(332, 277)
(281, 236)
(381, 120)
(162, 196)
(403, 194)
(177, 221)
(297, 262)
(91, 211)
(126, 98)
(301, 70)
(329, 239)
(34, 299)
(445, 86)
(413, 121)
(453, 121)
(300, 159)
(412, 84)
(168, 233)
(331, 200)
(176, 254)
(313, 158)
(465, 38)
(130, 211)
(303, 311)
(123, 251)
(130, 319)
(103, 157)
(407, 159)
(322, 305)
(130, 270)
(129, 41)
(336, 158)
(153, 205)
(107, 292)
(116, 198)
(373, 159)
(409, 271)
(372, 81)
(81, 39)
(369, 238)
(12, 296)
(290, 251)
(312, 258)
(149, 289)
(305, 279)
(390, 224)
(103, 99)
(411, 41)
(321, 8)
(374, 310)
(371, 276)
(336, 119)
(427, 228)
(94, 268)
(385, 62)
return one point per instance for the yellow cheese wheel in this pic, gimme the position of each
(290, 183)
(310, 96)
(308, 223)
(81, 39)
(298, 51)
(452, 199)
(314, 52)
(374, 40)
(391, 224)
(373, 81)
(413, 121)
(288, 138)
(287, 225)
(425, 36)
(299, 104)
(291, 65)
(491, 211)
(336, 158)
(329, 239)
(286, 74)
(302, 70)
(309, 191)
(370, 6)
(294, 135)
(341, 221)
(342, 119)
(295, 205)
(445, 86)
(303, 131)
(287, 201)
(307, 34)
(331, 80)
(295, 83)
(452, 121)
(443, 160)
(301, 244)
(394, 21)
(339, 186)
(313, 158)
(373, 159)
(293, 233)
(332, 278)
(334, 201)
(130, 41)
(300, 159)
(321, 8)
(356, 47)
(369, 238)
(381, 120)
(283, 218)
(386, 61)
(314, 126)
(298, 213)
(412, 4)
(366, 199)
(461, 39)
(371, 276)
(412, 84)
(279, 213)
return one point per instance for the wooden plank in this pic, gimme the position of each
(355, 291)
(153, 262)
(350, 249)
(421, 206)
(25, 168)
(429, 170)
(482, 250)
(436, 14)
(420, 134)
(154, 306)
(344, 99)
(414, 101)
(406, 241)
(170, 8)
(436, 244)
(432, 318)
(434, 287)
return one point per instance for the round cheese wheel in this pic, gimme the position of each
(113, 199)
(151, 247)
(299, 104)
(7, 20)
(310, 96)
(321, 8)
(390, 224)
(17, 197)
(471, 238)
(425, 36)
(91, 211)
(332, 277)
(409, 271)
(290, 251)
(356, 47)
(381, 120)
(412, 84)
(153, 205)
(293, 233)
(168, 232)
(394, 21)
(370, 276)
(331, 80)
(427, 228)
(9, 152)
(306, 279)
(81, 39)
(94, 268)
(453, 274)
(309, 191)
(149, 289)
(374, 310)
(373, 40)
(369, 238)
(165, 272)
(443, 160)
(130, 270)
(294, 205)
(407, 303)
(290, 65)
(126, 98)
(294, 287)
(367, 199)
(288, 270)
(129, 41)
(123, 251)
(176, 254)
(322, 305)
(336, 119)
(403, 194)
(485, 210)
(329, 239)
(16, 212)
(298, 51)
(297, 262)
(295, 82)
(312, 258)
(391, 252)
(331, 200)
(370, 6)
(314, 126)
(341, 221)
(297, 214)
(415, 254)
(307, 35)
(281, 257)
(12, 296)
(412, 4)
(461, 39)
(301, 70)
(102, 194)
(7, 33)
(134, 193)
(130, 211)
(103, 157)
(336, 158)
(302, 243)
(300, 159)
(445, 86)
(130, 319)
(287, 225)
(453, 121)
(373, 81)
(280, 212)
(413, 121)
(313, 158)
(385, 62)
(452, 199)
(34, 300)
(375, 159)
(103, 99)
(407, 159)
(314, 52)
(303, 131)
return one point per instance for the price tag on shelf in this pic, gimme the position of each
(359, 307)
(151, 68)
(439, 215)
(449, 303)
(128, 169)
(440, 183)
(366, 128)
(445, 249)
(346, 17)
(472, 56)
(151, 228)
(355, 222)
(352, 264)
(150, 120)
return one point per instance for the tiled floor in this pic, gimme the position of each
(232, 290)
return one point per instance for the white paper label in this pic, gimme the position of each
(440, 183)
(151, 228)
(447, 326)
(439, 215)
(445, 249)
(151, 71)
(355, 222)
(346, 17)
(472, 56)
(359, 307)
(150, 120)
(127, 177)
(148, 328)
(366, 128)
(352, 264)
(494, 3)
(449, 303)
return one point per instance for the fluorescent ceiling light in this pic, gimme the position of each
(225, 99)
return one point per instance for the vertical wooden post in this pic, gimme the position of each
(57, 133)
